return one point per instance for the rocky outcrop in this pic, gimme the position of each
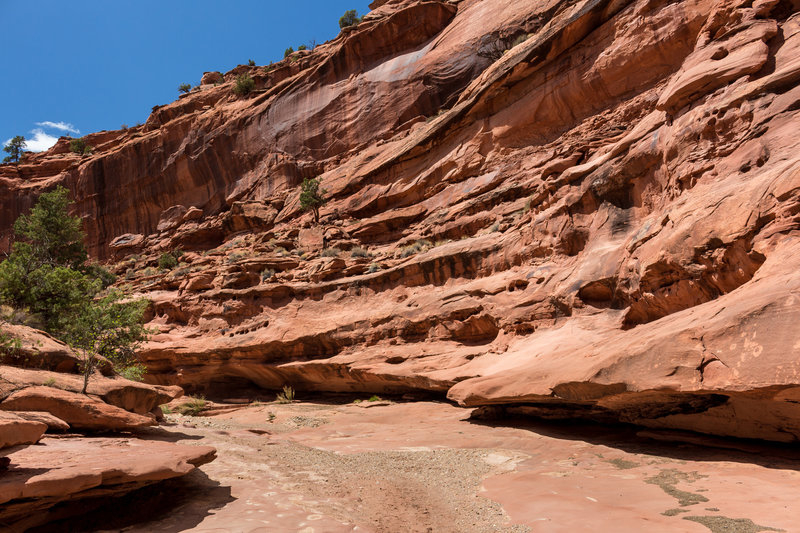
(72, 474)
(565, 209)
(63, 471)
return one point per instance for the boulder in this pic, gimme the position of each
(78, 410)
(16, 430)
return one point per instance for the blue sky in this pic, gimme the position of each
(76, 67)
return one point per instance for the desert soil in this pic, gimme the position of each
(423, 466)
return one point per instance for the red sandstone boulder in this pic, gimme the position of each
(16, 430)
(78, 410)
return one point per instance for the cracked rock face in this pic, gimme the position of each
(581, 208)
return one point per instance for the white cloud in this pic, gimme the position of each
(40, 141)
(63, 126)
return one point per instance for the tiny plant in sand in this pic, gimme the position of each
(192, 407)
(270, 417)
(287, 396)
(375, 398)
(50, 382)
(166, 410)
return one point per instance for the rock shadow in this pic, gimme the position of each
(174, 505)
(673, 444)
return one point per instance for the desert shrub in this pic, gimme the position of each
(133, 372)
(289, 51)
(244, 85)
(236, 257)
(51, 382)
(267, 274)
(350, 18)
(519, 40)
(331, 252)
(280, 251)
(358, 251)
(251, 62)
(192, 407)
(79, 146)
(302, 47)
(419, 246)
(184, 88)
(167, 261)
(287, 396)
(373, 267)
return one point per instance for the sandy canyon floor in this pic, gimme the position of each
(328, 466)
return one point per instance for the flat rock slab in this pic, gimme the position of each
(67, 469)
(424, 466)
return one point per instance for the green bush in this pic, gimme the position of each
(167, 261)
(244, 85)
(134, 372)
(289, 51)
(184, 88)
(302, 47)
(251, 63)
(350, 18)
(192, 407)
(79, 146)
(373, 267)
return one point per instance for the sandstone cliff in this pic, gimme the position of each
(575, 208)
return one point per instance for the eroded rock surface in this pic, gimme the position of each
(581, 208)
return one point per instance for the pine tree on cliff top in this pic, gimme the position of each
(14, 148)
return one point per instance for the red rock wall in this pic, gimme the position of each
(609, 194)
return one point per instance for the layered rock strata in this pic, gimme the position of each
(568, 208)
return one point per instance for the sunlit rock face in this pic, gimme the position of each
(564, 209)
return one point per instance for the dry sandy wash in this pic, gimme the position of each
(423, 466)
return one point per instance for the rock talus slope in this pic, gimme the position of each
(578, 208)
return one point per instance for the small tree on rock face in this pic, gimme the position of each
(14, 149)
(184, 88)
(350, 18)
(312, 197)
(289, 51)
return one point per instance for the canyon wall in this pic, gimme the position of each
(577, 208)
